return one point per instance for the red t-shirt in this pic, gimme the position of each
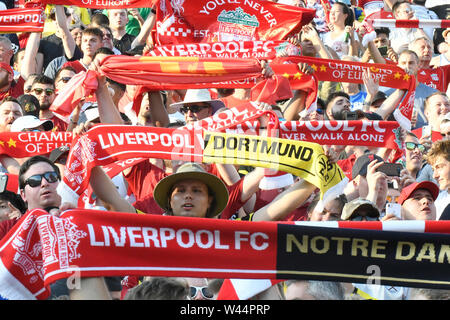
(436, 78)
(15, 90)
(142, 180)
(234, 200)
(58, 124)
(5, 226)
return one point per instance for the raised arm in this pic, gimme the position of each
(285, 202)
(146, 29)
(390, 103)
(158, 111)
(66, 37)
(29, 65)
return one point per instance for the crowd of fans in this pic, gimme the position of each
(35, 67)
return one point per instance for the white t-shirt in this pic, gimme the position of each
(441, 202)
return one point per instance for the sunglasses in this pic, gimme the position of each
(412, 146)
(35, 181)
(48, 92)
(360, 218)
(194, 108)
(204, 291)
(65, 79)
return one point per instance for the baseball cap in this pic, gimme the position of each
(352, 208)
(30, 105)
(58, 152)
(361, 163)
(427, 185)
(30, 122)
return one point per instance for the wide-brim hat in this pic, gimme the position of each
(30, 122)
(193, 171)
(199, 95)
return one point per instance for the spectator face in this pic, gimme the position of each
(62, 79)
(409, 63)
(382, 40)
(77, 35)
(437, 107)
(192, 114)
(337, 15)
(107, 41)
(45, 93)
(441, 172)
(338, 105)
(413, 157)
(298, 291)
(5, 52)
(44, 195)
(423, 49)
(190, 198)
(419, 206)
(331, 212)
(404, 11)
(9, 111)
(118, 18)
(90, 44)
(28, 85)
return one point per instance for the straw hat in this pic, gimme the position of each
(193, 171)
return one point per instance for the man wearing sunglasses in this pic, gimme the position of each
(197, 105)
(416, 169)
(43, 89)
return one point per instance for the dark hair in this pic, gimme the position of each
(159, 288)
(15, 199)
(349, 12)
(43, 79)
(121, 86)
(382, 30)
(100, 19)
(10, 98)
(65, 68)
(334, 95)
(94, 32)
(33, 160)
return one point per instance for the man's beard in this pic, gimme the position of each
(45, 106)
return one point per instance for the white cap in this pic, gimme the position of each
(30, 122)
(91, 114)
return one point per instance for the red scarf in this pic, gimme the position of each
(42, 248)
(104, 4)
(22, 20)
(165, 73)
(349, 71)
(194, 21)
(26, 144)
(259, 49)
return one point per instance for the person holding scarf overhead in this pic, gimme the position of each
(342, 39)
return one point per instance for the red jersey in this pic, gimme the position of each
(436, 78)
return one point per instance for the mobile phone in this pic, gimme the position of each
(351, 115)
(391, 169)
(395, 209)
(426, 131)
(3, 182)
(383, 50)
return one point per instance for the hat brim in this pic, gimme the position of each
(218, 188)
(427, 185)
(215, 104)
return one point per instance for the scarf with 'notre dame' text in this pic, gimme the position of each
(42, 248)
